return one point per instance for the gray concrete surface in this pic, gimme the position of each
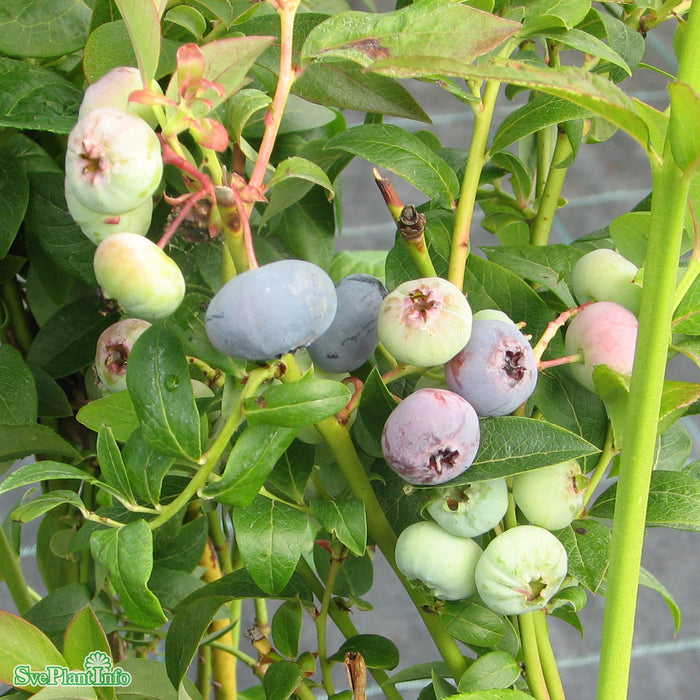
(606, 180)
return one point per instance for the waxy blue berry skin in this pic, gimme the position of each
(271, 310)
(496, 371)
(352, 337)
(432, 436)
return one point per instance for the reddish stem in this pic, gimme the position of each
(553, 327)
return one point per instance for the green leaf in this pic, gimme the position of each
(537, 114)
(377, 651)
(172, 586)
(145, 467)
(239, 111)
(159, 385)
(22, 643)
(355, 577)
(588, 44)
(44, 503)
(674, 448)
(650, 581)
(472, 624)
(674, 501)
(587, 543)
(127, 553)
(303, 169)
(500, 694)
(67, 342)
(255, 452)
(281, 680)
(53, 402)
(345, 519)
(376, 403)
(271, 537)
(548, 13)
(586, 89)
(629, 233)
(111, 463)
(286, 628)
(686, 318)
(188, 18)
(185, 632)
(301, 403)
(83, 636)
(54, 612)
(685, 112)
(495, 669)
(35, 98)
(18, 397)
(44, 470)
(545, 265)
(349, 262)
(401, 152)
(115, 409)
(143, 24)
(37, 29)
(510, 445)
(290, 475)
(427, 28)
(17, 441)
(149, 679)
(183, 549)
(14, 198)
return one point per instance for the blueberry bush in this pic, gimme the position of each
(169, 179)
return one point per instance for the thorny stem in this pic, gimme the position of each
(483, 115)
(542, 225)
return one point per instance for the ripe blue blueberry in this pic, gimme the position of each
(352, 337)
(432, 436)
(496, 371)
(271, 310)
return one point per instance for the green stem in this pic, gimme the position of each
(483, 116)
(546, 654)
(18, 318)
(322, 619)
(542, 225)
(211, 457)
(601, 465)
(533, 666)
(14, 578)
(341, 619)
(670, 190)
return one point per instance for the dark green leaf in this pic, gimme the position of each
(44, 470)
(36, 29)
(674, 501)
(397, 150)
(53, 402)
(472, 624)
(510, 445)
(255, 453)
(67, 342)
(376, 403)
(172, 586)
(127, 553)
(183, 550)
(17, 441)
(281, 679)
(286, 628)
(115, 409)
(18, 397)
(427, 28)
(145, 467)
(290, 475)
(159, 385)
(377, 651)
(150, 681)
(540, 112)
(53, 613)
(271, 537)
(300, 403)
(35, 98)
(345, 519)
(355, 577)
(111, 463)
(14, 198)
(587, 543)
(496, 669)
(30, 510)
